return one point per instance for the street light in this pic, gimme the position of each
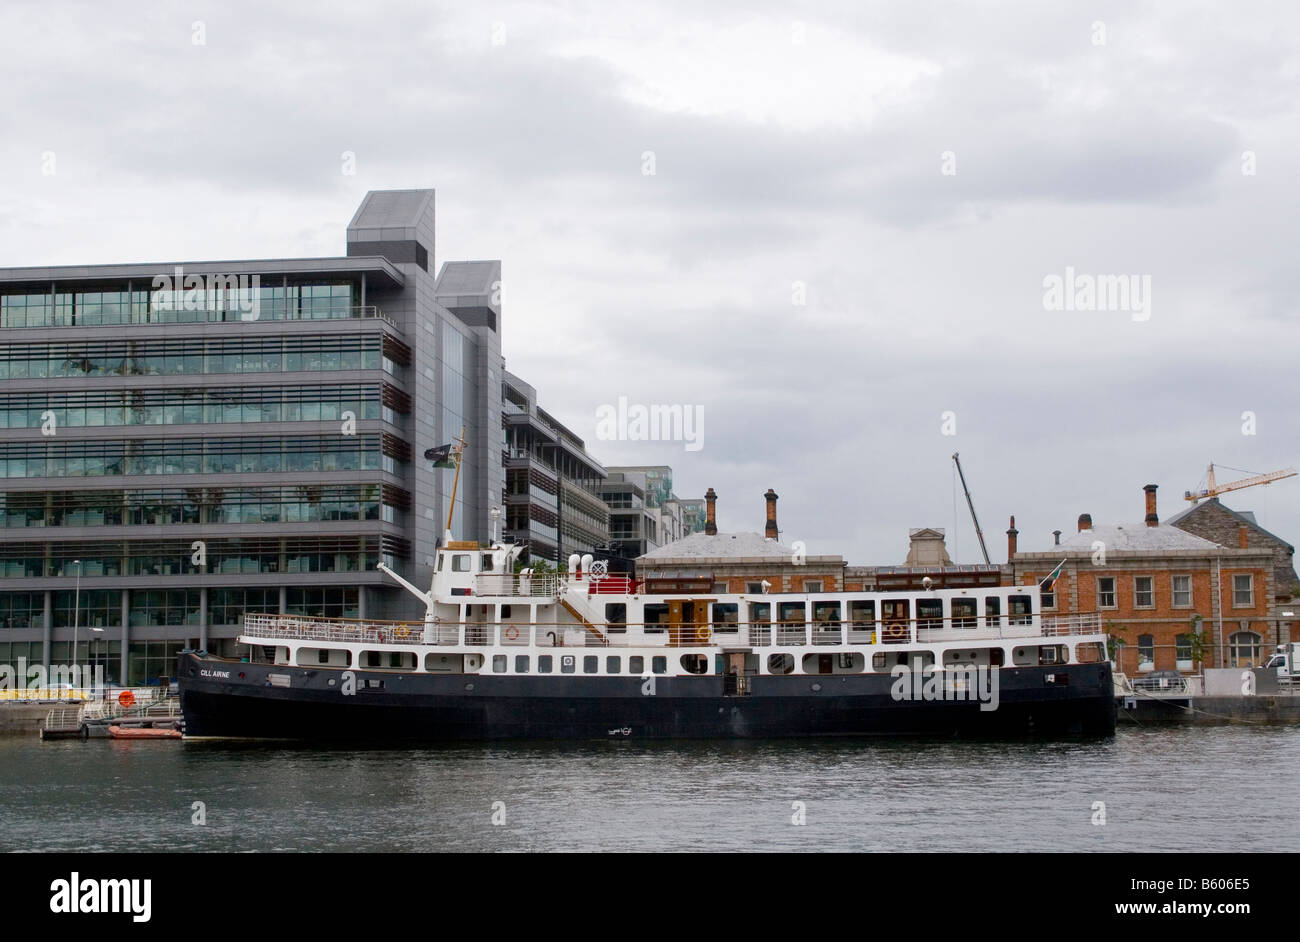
(76, 611)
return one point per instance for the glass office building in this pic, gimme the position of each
(186, 442)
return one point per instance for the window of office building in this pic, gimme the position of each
(99, 608)
(328, 602)
(229, 606)
(164, 607)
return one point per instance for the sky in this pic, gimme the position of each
(829, 230)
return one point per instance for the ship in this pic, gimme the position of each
(507, 652)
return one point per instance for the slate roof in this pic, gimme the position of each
(1136, 538)
(722, 546)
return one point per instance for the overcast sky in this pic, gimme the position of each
(792, 143)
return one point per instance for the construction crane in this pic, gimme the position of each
(1214, 489)
(969, 503)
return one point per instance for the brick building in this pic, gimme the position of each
(1227, 527)
(1159, 588)
(713, 562)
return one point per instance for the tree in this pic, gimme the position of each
(1198, 644)
(1115, 644)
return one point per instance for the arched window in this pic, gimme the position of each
(1146, 652)
(1244, 649)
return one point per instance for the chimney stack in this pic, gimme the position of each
(710, 513)
(1241, 536)
(1152, 519)
(1085, 522)
(1011, 539)
(1056, 534)
(770, 530)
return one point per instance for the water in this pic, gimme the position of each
(1222, 788)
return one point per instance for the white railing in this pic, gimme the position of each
(558, 634)
(535, 585)
(1089, 623)
(306, 628)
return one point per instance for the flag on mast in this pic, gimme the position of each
(444, 456)
(1049, 583)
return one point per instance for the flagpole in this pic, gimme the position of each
(456, 480)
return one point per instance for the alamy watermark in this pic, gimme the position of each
(181, 292)
(38, 682)
(969, 682)
(1076, 292)
(657, 422)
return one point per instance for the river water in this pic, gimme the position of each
(1169, 789)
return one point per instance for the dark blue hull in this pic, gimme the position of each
(390, 706)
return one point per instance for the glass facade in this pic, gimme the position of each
(190, 456)
(212, 299)
(190, 406)
(454, 416)
(300, 503)
(27, 560)
(195, 357)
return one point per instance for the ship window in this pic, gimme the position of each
(590, 664)
(656, 614)
(760, 613)
(659, 664)
(505, 611)
(486, 563)
(963, 613)
(460, 562)
(992, 611)
(521, 663)
(636, 664)
(862, 613)
(1020, 608)
(791, 614)
(929, 613)
(694, 663)
(322, 656)
(568, 664)
(616, 614)
(780, 663)
(725, 614)
(372, 658)
(442, 561)
(613, 665)
(826, 614)
(544, 662)
(498, 663)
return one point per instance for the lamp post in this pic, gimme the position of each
(76, 611)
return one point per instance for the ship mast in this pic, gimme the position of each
(458, 451)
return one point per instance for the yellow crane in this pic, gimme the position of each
(1214, 489)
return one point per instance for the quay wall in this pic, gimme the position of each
(1282, 710)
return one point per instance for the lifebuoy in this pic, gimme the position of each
(512, 633)
(895, 631)
(705, 634)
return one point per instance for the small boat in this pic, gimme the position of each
(142, 732)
